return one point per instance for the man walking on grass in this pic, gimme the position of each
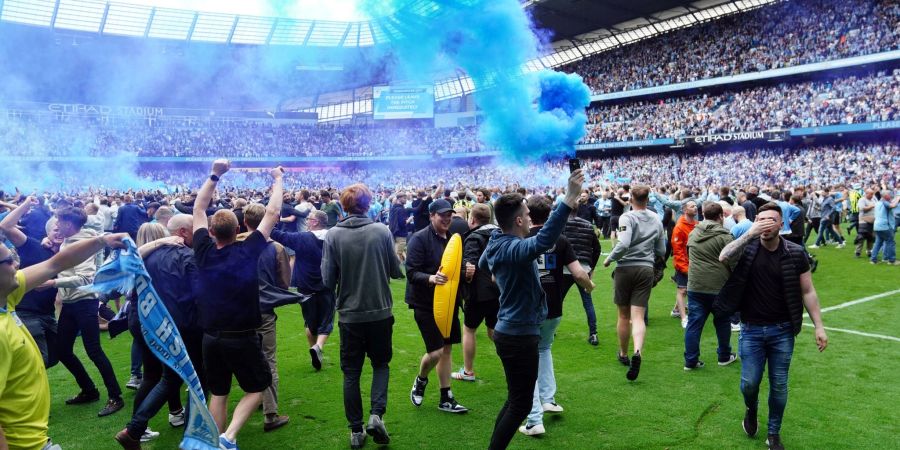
(771, 285)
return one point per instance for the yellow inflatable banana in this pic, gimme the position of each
(445, 294)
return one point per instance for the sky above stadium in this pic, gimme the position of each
(341, 10)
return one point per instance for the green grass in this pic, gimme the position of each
(845, 397)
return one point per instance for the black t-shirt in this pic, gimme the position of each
(35, 301)
(228, 297)
(616, 208)
(765, 303)
(550, 267)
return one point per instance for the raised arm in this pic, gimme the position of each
(273, 209)
(8, 225)
(736, 247)
(219, 168)
(70, 256)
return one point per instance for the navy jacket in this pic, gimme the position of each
(174, 274)
(512, 261)
(130, 217)
(397, 223)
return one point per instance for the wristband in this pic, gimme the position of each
(214, 178)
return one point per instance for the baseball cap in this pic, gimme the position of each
(439, 206)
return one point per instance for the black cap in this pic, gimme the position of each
(439, 206)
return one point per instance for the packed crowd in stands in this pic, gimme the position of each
(51, 135)
(854, 99)
(812, 165)
(782, 35)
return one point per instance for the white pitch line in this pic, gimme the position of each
(859, 333)
(858, 301)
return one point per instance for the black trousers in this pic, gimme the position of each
(358, 340)
(519, 355)
(812, 225)
(604, 226)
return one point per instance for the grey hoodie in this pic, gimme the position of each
(358, 259)
(641, 239)
(68, 281)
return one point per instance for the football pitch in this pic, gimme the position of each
(846, 397)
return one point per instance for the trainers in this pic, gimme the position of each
(126, 441)
(417, 394)
(694, 366)
(112, 406)
(315, 355)
(635, 367)
(731, 358)
(357, 440)
(675, 312)
(463, 375)
(624, 360)
(276, 423)
(551, 408)
(750, 424)
(684, 323)
(533, 430)
(841, 245)
(376, 428)
(176, 419)
(451, 406)
(812, 246)
(134, 382)
(225, 444)
(149, 435)
(774, 442)
(84, 397)
(735, 327)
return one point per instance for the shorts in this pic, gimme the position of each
(681, 279)
(614, 223)
(477, 312)
(432, 336)
(318, 312)
(240, 356)
(632, 285)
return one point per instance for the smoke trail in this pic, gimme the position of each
(490, 41)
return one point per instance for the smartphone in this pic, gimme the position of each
(574, 164)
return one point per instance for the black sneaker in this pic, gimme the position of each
(450, 405)
(84, 397)
(774, 442)
(417, 394)
(694, 366)
(112, 406)
(750, 424)
(624, 360)
(592, 339)
(635, 367)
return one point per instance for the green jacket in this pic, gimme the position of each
(706, 274)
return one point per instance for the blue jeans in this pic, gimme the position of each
(760, 344)
(885, 240)
(699, 308)
(81, 317)
(545, 388)
(136, 360)
(825, 228)
(588, 303)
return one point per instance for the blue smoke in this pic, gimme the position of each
(490, 41)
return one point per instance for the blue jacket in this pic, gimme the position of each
(789, 213)
(307, 275)
(512, 261)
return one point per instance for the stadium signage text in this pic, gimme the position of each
(727, 137)
(103, 110)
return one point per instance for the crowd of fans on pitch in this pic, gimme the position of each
(855, 99)
(782, 35)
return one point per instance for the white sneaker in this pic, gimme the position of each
(735, 327)
(532, 431)
(177, 419)
(149, 435)
(552, 408)
(841, 245)
(684, 323)
(812, 246)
